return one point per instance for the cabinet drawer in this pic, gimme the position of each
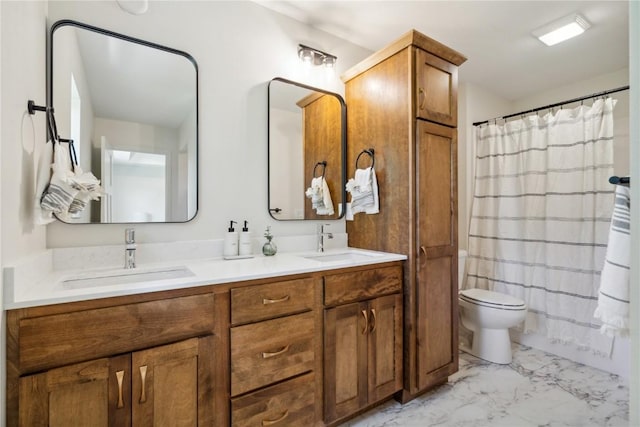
(259, 302)
(290, 403)
(270, 351)
(359, 285)
(61, 339)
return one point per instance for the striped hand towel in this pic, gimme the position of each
(613, 297)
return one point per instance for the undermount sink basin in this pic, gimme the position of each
(124, 276)
(342, 256)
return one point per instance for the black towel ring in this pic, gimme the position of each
(371, 153)
(324, 167)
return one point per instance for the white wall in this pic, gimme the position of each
(239, 47)
(22, 137)
(634, 83)
(479, 105)
(286, 161)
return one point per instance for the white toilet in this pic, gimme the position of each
(488, 315)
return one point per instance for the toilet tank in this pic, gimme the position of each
(462, 260)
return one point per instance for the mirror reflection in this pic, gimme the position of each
(307, 143)
(131, 109)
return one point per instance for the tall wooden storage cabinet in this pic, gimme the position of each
(402, 101)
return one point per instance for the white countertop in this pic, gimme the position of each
(52, 287)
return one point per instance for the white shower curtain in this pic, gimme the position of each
(541, 210)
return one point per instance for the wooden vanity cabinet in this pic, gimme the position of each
(155, 387)
(276, 354)
(363, 340)
(143, 360)
(402, 102)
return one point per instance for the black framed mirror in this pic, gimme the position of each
(307, 149)
(131, 108)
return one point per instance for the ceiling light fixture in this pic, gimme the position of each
(313, 56)
(562, 29)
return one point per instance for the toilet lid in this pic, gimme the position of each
(492, 299)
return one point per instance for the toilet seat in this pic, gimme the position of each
(496, 300)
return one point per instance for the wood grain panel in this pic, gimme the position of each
(76, 395)
(322, 130)
(385, 347)
(270, 351)
(435, 328)
(436, 97)
(435, 148)
(345, 371)
(360, 285)
(260, 302)
(290, 403)
(60, 339)
(380, 117)
(168, 395)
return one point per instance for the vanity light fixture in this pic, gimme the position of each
(562, 29)
(313, 56)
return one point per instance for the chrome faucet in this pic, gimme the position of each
(321, 233)
(129, 248)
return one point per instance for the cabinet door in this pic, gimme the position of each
(89, 394)
(172, 384)
(436, 293)
(436, 97)
(385, 347)
(345, 376)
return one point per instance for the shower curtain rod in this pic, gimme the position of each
(557, 104)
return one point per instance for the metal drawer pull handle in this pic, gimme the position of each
(366, 322)
(423, 250)
(373, 319)
(266, 301)
(120, 378)
(277, 420)
(276, 353)
(143, 376)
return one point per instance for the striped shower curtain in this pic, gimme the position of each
(541, 210)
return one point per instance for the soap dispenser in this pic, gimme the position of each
(245, 247)
(231, 241)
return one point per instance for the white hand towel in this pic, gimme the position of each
(373, 208)
(320, 196)
(43, 176)
(60, 192)
(613, 297)
(326, 208)
(364, 192)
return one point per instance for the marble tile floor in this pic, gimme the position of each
(536, 389)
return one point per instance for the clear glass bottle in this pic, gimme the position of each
(269, 248)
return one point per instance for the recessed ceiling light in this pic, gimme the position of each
(562, 29)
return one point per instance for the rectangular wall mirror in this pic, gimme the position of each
(131, 108)
(307, 139)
